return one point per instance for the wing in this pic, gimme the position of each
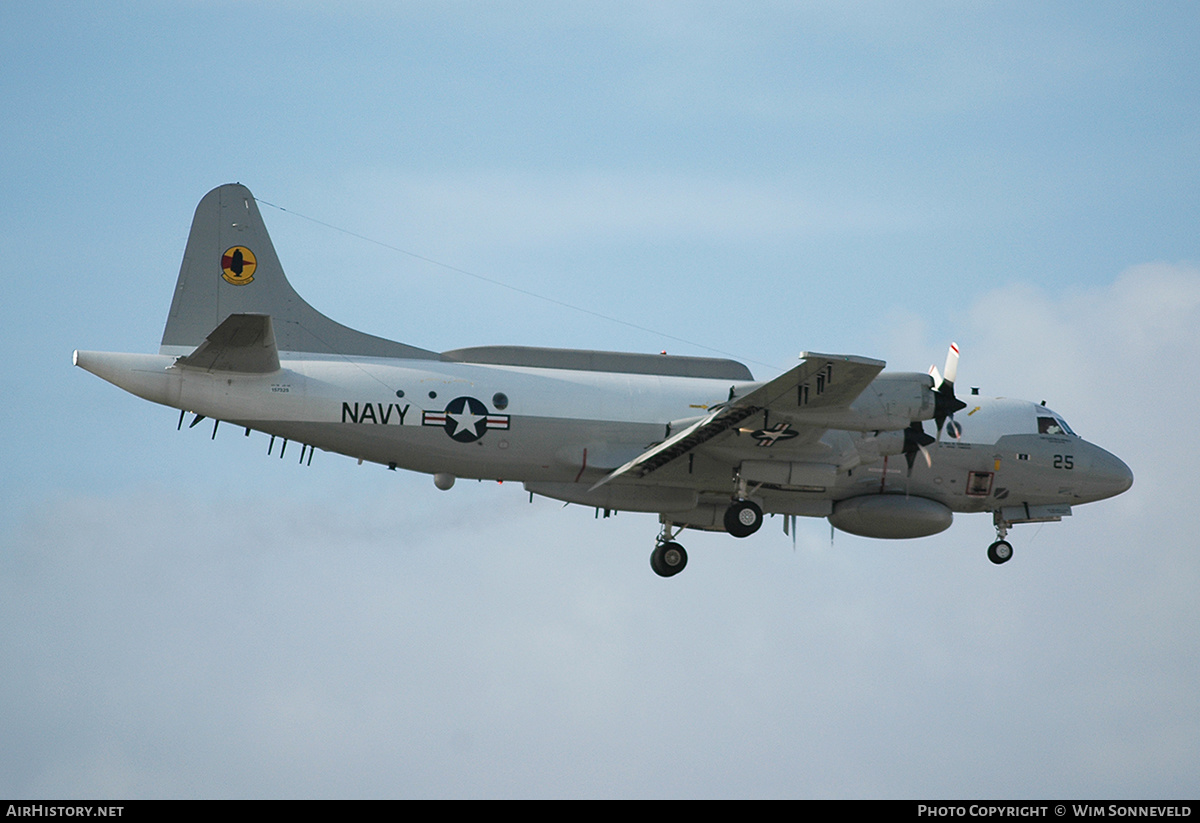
(821, 381)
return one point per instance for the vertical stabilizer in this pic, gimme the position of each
(230, 267)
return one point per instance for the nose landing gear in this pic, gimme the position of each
(1000, 551)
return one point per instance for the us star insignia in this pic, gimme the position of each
(769, 437)
(465, 419)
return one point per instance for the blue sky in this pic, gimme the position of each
(188, 617)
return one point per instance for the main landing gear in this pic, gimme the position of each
(668, 559)
(1000, 551)
(742, 519)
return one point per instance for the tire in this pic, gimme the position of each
(668, 559)
(1000, 552)
(743, 518)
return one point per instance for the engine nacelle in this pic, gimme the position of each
(882, 444)
(895, 400)
(891, 516)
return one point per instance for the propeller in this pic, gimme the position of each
(945, 403)
(915, 440)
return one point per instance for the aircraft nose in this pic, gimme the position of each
(1109, 475)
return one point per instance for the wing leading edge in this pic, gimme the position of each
(820, 382)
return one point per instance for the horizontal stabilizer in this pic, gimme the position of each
(242, 343)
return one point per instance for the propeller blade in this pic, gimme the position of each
(915, 440)
(951, 373)
(945, 403)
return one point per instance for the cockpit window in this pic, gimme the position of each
(1053, 425)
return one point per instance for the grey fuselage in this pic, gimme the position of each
(559, 431)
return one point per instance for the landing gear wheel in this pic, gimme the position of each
(1000, 552)
(668, 559)
(743, 518)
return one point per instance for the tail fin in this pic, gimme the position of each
(230, 267)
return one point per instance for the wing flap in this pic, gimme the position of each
(242, 343)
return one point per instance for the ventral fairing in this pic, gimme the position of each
(696, 440)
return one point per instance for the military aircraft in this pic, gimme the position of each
(696, 440)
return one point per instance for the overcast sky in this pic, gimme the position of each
(184, 617)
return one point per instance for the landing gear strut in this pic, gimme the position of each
(1000, 551)
(668, 558)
